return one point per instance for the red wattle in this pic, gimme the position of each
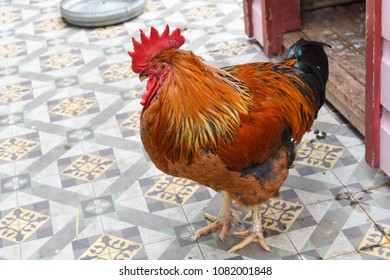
(151, 90)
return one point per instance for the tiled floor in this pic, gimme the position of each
(76, 183)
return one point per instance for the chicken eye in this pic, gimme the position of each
(154, 66)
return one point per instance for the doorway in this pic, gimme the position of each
(342, 27)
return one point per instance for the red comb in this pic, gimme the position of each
(151, 46)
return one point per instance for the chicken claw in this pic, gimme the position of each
(254, 234)
(222, 222)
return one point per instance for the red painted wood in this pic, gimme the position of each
(290, 15)
(248, 18)
(278, 16)
(273, 37)
(373, 62)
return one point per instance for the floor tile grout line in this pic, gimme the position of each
(375, 222)
(359, 203)
(296, 249)
(340, 255)
(192, 230)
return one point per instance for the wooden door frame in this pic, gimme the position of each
(279, 16)
(373, 80)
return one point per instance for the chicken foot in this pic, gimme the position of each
(222, 222)
(254, 234)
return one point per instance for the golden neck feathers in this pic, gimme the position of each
(197, 107)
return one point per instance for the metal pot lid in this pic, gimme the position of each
(92, 13)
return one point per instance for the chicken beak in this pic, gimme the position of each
(142, 76)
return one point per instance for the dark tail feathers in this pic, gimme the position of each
(312, 60)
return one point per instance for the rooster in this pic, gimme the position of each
(232, 129)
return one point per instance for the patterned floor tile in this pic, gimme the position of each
(66, 82)
(20, 224)
(61, 60)
(47, 25)
(16, 148)
(12, 50)
(116, 72)
(15, 92)
(376, 242)
(98, 206)
(202, 13)
(10, 17)
(81, 134)
(172, 190)
(109, 247)
(88, 167)
(106, 33)
(229, 49)
(131, 124)
(11, 184)
(11, 119)
(339, 231)
(319, 155)
(84, 246)
(72, 107)
(279, 215)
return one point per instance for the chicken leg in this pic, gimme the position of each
(254, 234)
(222, 222)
